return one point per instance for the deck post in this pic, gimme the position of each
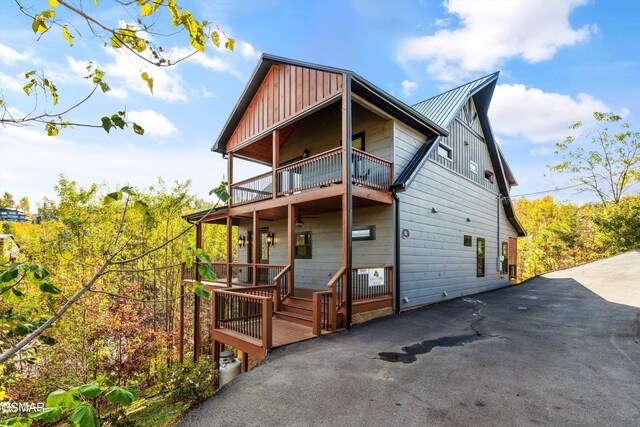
(267, 315)
(229, 248)
(291, 246)
(230, 177)
(275, 161)
(347, 202)
(181, 338)
(316, 324)
(256, 238)
(196, 308)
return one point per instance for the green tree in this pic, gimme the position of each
(605, 162)
(25, 205)
(7, 200)
(155, 21)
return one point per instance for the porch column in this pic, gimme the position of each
(291, 246)
(256, 237)
(230, 177)
(347, 202)
(196, 302)
(275, 147)
(229, 248)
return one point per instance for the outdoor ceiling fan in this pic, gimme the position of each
(299, 221)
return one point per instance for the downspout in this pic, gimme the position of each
(499, 250)
(396, 250)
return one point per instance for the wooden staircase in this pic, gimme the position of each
(297, 310)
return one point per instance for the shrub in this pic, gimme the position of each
(191, 383)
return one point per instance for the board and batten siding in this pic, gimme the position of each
(326, 234)
(322, 131)
(434, 259)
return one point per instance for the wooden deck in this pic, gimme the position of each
(285, 332)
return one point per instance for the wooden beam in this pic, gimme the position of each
(275, 161)
(347, 200)
(230, 176)
(197, 336)
(256, 238)
(181, 338)
(229, 248)
(291, 246)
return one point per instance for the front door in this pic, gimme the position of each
(263, 255)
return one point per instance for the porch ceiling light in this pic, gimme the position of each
(242, 241)
(434, 210)
(271, 238)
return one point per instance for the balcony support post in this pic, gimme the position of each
(291, 246)
(347, 201)
(275, 143)
(229, 248)
(256, 239)
(230, 178)
(196, 309)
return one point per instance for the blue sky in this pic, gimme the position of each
(559, 62)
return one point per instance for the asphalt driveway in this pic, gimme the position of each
(550, 351)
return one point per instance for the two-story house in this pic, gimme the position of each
(413, 209)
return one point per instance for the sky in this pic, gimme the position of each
(559, 61)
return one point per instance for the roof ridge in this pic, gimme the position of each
(495, 73)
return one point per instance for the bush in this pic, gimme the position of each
(191, 383)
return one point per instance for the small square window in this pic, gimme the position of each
(473, 167)
(467, 240)
(444, 151)
(303, 245)
(488, 175)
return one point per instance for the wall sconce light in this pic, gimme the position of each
(305, 153)
(271, 238)
(242, 241)
(434, 210)
(468, 219)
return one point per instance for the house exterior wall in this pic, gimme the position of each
(433, 257)
(322, 131)
(326, 236)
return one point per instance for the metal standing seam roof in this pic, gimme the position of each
(442, 109)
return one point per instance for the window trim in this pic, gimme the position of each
(309, 245)
(446, 148)
(505, 261)
(371, 236)
(467, 239)
(488, 175)
(473, 165)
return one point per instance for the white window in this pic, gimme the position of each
(473, 167)
(445, 152)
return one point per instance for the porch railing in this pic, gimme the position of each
(371, 171)
(281, 282)
(245, 313)
(242, 273)
(371, 282)
(325, 304)
(315, 171)
(253, 189)
(218, 267)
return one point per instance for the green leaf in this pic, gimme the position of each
(8, 275)
(127, 189)
(84, 416)
(230, 44)
(206, 272)
(221, 192)
(38, 26)
(17, 422)
(198, 289)
(49, 288)
(17, 292)
(140, 206)
(188, 261)
(64, 399)
(65, 33)
(47, 415)
(106, 123)
(147, 79)
(47, 340)
(103, 380)
(120, 396)
(38, 271)
(51, 128)
(215, 38)
(113, 197)
(90, 390)
(204, 257)
(138, 129)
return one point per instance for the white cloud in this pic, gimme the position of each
(492, 32)
(409, 87)
(154, 124)
(248, 51)
(537, 115)
(541, 151)
(9, 56)
(9, 82)
(168, 85)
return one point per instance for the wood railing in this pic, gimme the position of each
(326, 303)
(245, 312)
(315, 171)
(218, 267)
(242, 273)
(371, 282)
(282, 284)
(371, 171)
(253, 189)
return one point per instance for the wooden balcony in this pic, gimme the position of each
(312, 173)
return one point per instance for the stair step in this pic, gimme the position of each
(294, 317)
(298, 309)
(299, 301)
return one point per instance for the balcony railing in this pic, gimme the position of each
(371, 282)
(316, 171)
